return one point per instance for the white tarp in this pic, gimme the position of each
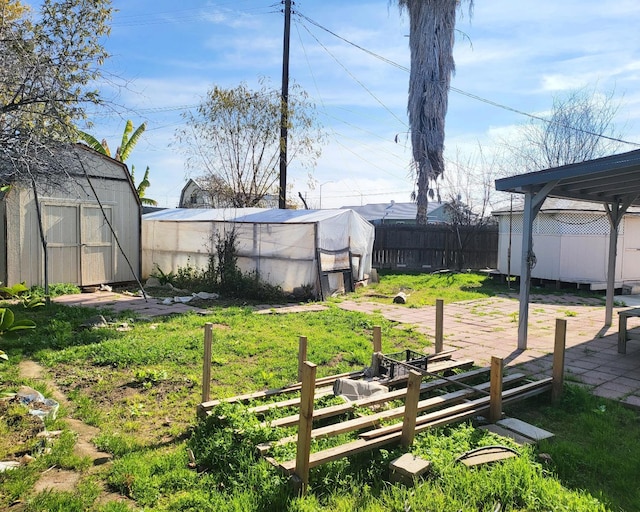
(280, 245)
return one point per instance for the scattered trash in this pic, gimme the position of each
(105, 288)
(36, 402)
(5, 465)
(183, 299)
(95, 322)
(352, 389)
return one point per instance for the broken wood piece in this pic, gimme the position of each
(486, 455)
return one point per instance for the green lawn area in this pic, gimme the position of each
(138, 381)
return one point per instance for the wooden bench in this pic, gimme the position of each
(623, 333)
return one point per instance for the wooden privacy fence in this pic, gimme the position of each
(435, 247)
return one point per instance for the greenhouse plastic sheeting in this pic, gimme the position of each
(280, 245)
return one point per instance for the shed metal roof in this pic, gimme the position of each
(603, 180)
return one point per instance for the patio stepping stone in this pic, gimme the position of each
(525, 429)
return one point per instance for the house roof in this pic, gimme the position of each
(554, 204)
(392, 210)
(603, 180)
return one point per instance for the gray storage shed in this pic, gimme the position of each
(91, 226)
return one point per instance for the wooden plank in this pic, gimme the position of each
(206, 366)
(438, 367)
(336, 410)
(622, 333)
(293, 402)
(441, 356)
(278, 391)
(377, 339)
(337, 452)
(558, 359)
(410, 409)
(495, 409)
(462, 408)
(439, 325)
(302, 355)
(306, 423)
(525, 429)
(374, 420)
(362, 445)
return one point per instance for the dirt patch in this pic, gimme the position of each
(57, 480)
(63, 480)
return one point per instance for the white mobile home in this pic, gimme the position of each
(570, 243)
(287, 248)
(91, 226)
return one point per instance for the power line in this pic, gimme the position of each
(468, 94)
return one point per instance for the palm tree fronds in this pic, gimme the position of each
(93, 143)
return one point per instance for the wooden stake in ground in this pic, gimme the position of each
(558, 359)
(305, 425)
(377, 351)
(439, 325)
(302, 356)
(495, 404)
(411, 409)
(206, 366)
(377, 339)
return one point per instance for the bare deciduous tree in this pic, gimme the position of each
(47, 63)
(579, 128)
(233, 142)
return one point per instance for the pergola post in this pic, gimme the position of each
(615, 212)
(532, 203)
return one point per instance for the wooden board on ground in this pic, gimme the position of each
(497, 429)
(525, 429)
(335, 410)
(390, 435)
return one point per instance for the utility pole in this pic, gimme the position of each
(284, 106)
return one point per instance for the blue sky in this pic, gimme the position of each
(167, 54)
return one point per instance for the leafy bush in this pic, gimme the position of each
(222, 275)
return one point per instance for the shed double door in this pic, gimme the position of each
(79, 242)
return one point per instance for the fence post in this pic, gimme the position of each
(495, 393)
(377, 338)
(305, 425)
(439, 325)
(206, 366)
(302, 355)
(411, 408)
(377, 351)
(557, 380)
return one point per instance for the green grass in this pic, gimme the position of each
(425, 289)
(596, 444)
(141, 388)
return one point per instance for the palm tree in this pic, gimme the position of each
(431, 37)
(129, 140)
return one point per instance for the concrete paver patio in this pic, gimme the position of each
(480, 329)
